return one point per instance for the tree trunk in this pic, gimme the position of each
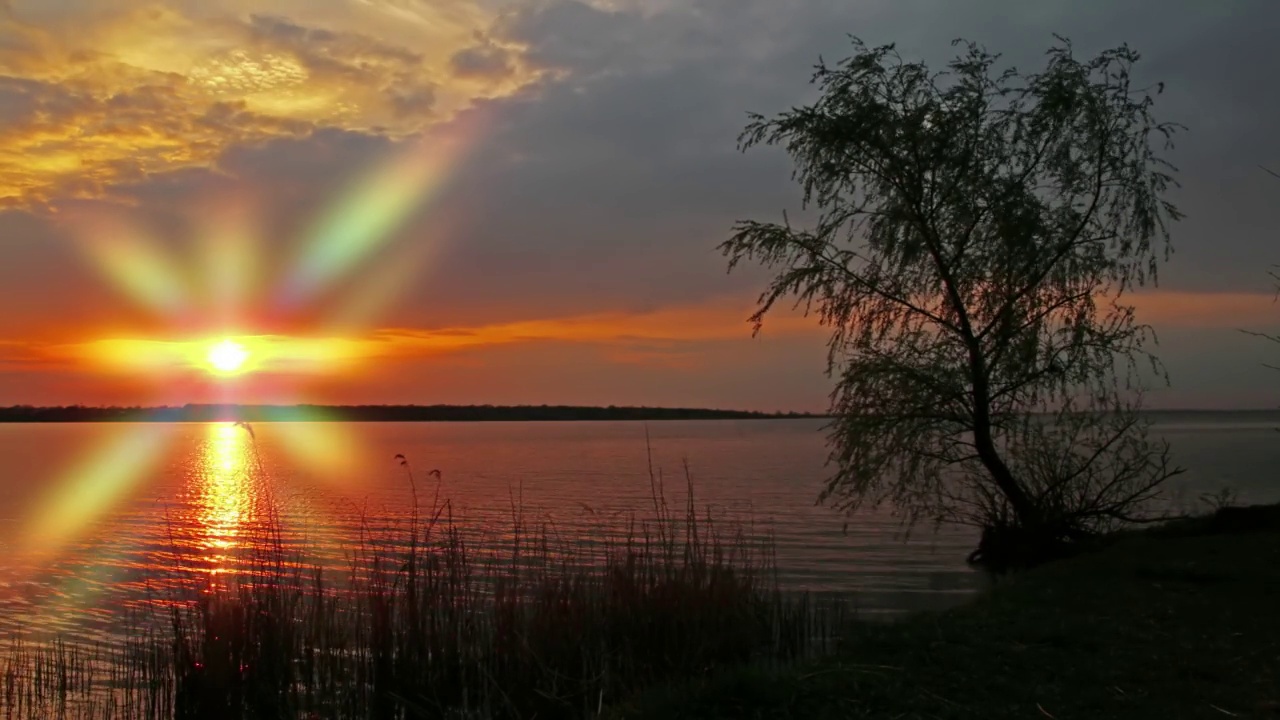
(1028, 515)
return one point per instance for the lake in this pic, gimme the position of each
(97, 520)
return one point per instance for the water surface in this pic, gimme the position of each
(100, 519)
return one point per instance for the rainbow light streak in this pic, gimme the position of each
(378, 287)
(375, 208)
(228, 253)
(364, 220)
(76, 593)
(135, 263)
(95, 486)
(326, 450)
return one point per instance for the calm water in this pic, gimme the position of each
(98, 519)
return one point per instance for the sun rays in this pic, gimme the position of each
(92, 486)
(225, 280)
(354, 228)
(223, 309)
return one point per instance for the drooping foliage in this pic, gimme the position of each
(977, 232)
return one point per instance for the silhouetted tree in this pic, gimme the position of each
(976, 232)
(1275, 275)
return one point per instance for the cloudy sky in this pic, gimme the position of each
(510, 201)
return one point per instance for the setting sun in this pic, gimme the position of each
(227, 357)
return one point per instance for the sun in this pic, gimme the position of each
(227, 357)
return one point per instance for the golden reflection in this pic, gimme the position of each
(226, 494)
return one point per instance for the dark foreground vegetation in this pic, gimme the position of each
(369, 413)
(432, 622)
(681, 620)
(1178, 621)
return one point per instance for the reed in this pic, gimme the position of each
(430, 622)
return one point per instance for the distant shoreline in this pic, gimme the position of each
(377, 413)
(23, 414)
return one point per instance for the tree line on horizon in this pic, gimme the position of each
(371, 413)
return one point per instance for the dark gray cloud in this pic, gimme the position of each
(21, 99)
(616, 178)
(414, 103)
(643, 120)
(486, 61)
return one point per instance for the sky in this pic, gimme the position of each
(519, 201)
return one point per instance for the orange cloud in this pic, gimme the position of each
(1193, 310)
(656, 337)
(16, 355)
(719, 320)
(665, 337)
(114, 96)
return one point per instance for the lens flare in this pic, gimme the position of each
(220, 304)
(231, 292)
(376, 206)
(134, 261)
(329, 452)
(95, 486)
(227, 357)
(230, 263)
(378, 288)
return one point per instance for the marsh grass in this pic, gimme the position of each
(429, 621)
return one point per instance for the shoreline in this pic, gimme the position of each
(25, 415)
(1171, 621)
(380, 413)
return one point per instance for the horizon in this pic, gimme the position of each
(524, 406)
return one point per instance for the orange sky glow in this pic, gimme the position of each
(348, 202)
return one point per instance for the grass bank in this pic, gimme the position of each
(1175, 622)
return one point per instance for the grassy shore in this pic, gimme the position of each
(1177, 622)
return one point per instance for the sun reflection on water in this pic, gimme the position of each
(227, 495)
